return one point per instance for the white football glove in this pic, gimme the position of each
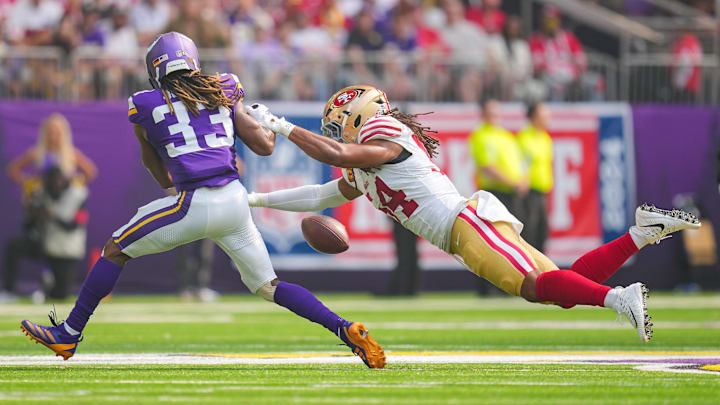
(257, 199)
(265, 118)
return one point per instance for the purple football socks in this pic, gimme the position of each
(97, 285)
(302, 302)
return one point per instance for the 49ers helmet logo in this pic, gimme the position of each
(345, 97)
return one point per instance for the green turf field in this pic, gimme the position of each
(456, 349)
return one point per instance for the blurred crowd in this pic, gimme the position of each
(302, 49)
(646, 8)
(441, 50)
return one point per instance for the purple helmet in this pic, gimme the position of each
(170, 52)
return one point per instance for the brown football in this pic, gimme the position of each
(325, 234)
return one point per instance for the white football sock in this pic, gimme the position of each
(73, 332)
(611, 298)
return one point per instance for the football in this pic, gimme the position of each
(325, 234)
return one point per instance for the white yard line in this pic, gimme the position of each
(678, 362)
(112, 309)
(511, 325)
(346, 358)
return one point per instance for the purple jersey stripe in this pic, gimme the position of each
(129, 227)
(155, 220)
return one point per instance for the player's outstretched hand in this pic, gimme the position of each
(265, 118)
(258, 111)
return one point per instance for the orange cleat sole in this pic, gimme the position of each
(62, 353)
(359, 336)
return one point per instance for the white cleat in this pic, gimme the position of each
(632, 302)
(654, 224)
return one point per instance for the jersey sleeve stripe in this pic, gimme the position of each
(377, 131)
(372, 135)
(376, 127)
(381, 120)
(131, 107)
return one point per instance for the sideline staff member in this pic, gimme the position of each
(537, 147)
(499, 160)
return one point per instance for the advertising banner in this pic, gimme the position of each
(592, 200)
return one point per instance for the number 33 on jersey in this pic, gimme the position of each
(411, 189)
(198, 151)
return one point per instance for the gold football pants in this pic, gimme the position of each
(494, 251)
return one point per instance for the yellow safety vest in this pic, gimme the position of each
(494, 146)
(538, 150)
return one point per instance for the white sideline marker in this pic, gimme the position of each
(645, 361)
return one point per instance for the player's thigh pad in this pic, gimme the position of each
(162, 225)
(543, 262)
(250, 256)
(232, 228)
(492, 250)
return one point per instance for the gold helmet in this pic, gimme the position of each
(348, 109)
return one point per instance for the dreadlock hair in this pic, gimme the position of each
(191, 88)
(430, 142)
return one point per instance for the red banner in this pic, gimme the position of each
(574, 210)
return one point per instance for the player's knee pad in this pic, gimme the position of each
(267, 291)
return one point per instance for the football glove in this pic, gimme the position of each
(263, 116)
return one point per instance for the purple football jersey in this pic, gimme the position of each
(198, 151)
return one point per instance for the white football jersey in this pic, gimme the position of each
(413, 191)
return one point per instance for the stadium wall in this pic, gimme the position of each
(609, 157)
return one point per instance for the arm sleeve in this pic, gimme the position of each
(310, 198)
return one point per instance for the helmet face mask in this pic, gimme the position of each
(348, 109)
(333, 130)
(170, 52)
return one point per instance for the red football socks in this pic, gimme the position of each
(569, 288)
(599, 264)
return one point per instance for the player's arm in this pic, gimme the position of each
(258, 138)
(151, 160)
(316, 197)
(345, 155)
(326, 150)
